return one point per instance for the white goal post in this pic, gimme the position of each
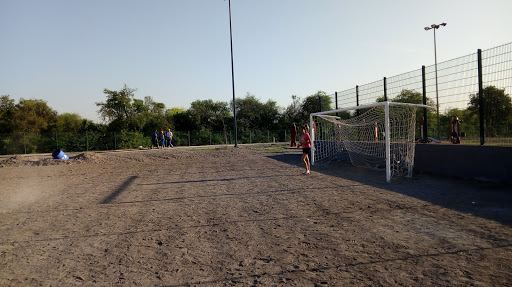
(376, 135)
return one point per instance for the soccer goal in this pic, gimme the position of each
(379, 135)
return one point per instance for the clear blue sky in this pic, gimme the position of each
(67, 51)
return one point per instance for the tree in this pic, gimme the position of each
(497, 108)
(253, 114)
(316, 103)
(292, 112)
(169, 116)
(140, 115)
(117, 109)
(33, 116)
(154, 115)
(68, 122)
(270, 115)
(247, 112)
(6, 109)
(123, 111)
(185, 121)
(209, 114)
(313, 104)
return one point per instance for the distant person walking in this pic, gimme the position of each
(293, 133)
(169, 138)
(305, 142)
(154, 139)
(162, 138)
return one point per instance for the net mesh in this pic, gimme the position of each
(361, 138)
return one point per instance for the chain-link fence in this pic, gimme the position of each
(29, 143)
(459, 87)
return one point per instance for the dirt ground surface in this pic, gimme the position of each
(221, 216)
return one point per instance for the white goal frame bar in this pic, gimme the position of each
(386, 125)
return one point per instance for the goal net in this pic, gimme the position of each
(379, 135)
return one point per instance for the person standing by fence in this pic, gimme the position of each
(293, 134)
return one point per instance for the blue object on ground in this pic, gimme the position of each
(434, 139)
(59, 154)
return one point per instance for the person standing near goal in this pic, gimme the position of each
(293, 135)
(305, 142)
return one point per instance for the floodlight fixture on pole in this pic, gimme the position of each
(232, 75)
(434, 27)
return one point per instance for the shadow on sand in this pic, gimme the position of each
(483, 199)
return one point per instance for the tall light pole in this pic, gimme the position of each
(232, 75)
(434, 27)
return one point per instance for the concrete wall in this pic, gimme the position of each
(488, 163)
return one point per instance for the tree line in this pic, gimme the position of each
(132, 118)
(122, 111)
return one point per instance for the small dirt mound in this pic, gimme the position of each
(12, 161)
(88, 157)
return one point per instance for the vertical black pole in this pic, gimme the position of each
(336, 101)
(24, 143)
(385, 91)
(481, 98)
(232, 74)
(357, 99)
(424, 85)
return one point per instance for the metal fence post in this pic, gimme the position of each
(357, 99)
(481, 99)
(424, 86)
(336, 105)
(86, 140)
(115, 141)
(385, 91)
(24, 143)
(56, 139)
(188, 138)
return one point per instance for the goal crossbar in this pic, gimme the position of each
(368, 106)
(387, 135)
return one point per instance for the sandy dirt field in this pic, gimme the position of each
(244, 217)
